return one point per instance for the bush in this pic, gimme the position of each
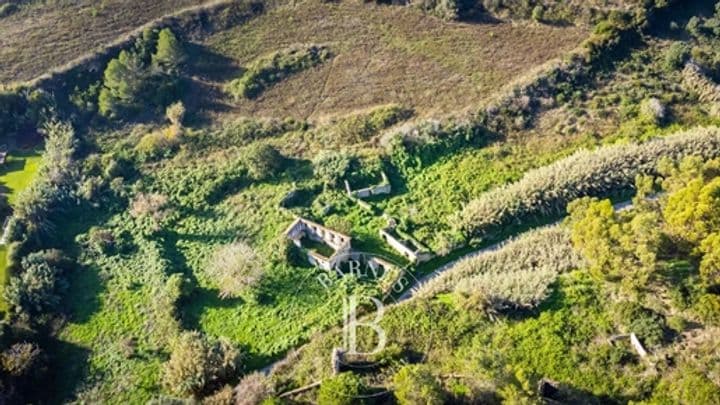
(253, 389)
(646, 324)
(331, 167)
(416, 385)
(445, 9)
(608, 171)
(361, 127)
(652, 111)
(676, 56)
(20, 359)
(264, 161)
(40, 284)
(342, 389)
(708, 309)
(272, 68)
(158, 144)
(235, 268)
(197, 365)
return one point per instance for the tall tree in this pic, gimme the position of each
(170, 54)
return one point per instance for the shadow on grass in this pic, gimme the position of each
(70, 367)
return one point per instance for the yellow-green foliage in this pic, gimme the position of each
(618, 245)
(158, 143)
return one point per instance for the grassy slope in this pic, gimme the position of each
(44, 35)
(15, 175)
(383, 54)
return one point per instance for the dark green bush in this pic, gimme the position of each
(263, 161)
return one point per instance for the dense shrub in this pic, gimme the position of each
(263, 161)
(649, 326)
(38, 287)
(197, 364)
(272, 68)
(342, 389)
(413, 147)
(331, 167)
(253, 389)
(20, 359)
(235, 268)
(708, 309)
(416, 385)
(607, 171)
(687, 385)
(51, 188)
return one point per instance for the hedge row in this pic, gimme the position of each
(607, 171)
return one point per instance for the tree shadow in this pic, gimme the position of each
(211, 65)
(69, 367)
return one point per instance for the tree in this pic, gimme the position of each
(123, 83)
(39, 286)
(235, 268)
(416, 385)
(342, 389)
(710, 263)
(330, 167)
(197, 364)
(170, 54)
(693, 211)
(264, 161)
(617, 245)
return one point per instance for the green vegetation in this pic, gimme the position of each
(147, 257)
(574, 336)
(269, 69)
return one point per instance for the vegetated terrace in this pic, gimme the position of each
(382, 54)
(43, 35)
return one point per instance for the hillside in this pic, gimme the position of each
(384, 54)
(217, 189)
(41, 36)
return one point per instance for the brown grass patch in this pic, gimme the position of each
(383, 54)
(43, 36)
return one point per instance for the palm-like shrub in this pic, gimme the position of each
(607, 171)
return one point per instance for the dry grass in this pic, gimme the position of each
(382, 54)
(44, 35)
